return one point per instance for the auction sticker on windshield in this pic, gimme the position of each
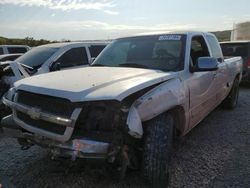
(170, 37)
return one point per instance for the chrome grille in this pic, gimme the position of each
(53, 105)
(40, 124)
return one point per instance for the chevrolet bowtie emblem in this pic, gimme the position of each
(34, 113)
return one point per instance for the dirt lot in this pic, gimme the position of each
(214, 154)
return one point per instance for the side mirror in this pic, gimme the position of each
(205, 64)
(55, 66)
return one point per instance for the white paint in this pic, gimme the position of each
(93, 83)
(197, 94)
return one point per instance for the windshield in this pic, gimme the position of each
(36, 56)
(162, 52)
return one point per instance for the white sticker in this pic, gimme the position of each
(170, 37)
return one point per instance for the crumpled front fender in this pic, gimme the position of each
(155, 102)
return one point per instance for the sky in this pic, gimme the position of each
(109, 19)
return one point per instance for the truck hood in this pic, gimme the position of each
(93, 83)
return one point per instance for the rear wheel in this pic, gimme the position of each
(231, 100)
(157, 150)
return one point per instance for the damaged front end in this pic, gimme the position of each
(76, 130)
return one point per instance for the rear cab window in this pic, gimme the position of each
(1, 51)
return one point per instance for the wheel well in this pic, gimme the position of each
(178, 113)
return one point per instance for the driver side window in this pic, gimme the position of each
(73, 57)
(198, 49)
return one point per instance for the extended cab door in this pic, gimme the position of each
(201, 84)
(221, 79)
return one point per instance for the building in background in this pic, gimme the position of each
(241, 31)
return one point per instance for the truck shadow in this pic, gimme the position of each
(79, 173)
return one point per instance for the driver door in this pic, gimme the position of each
(201, 84)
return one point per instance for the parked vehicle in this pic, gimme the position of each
(238, 48)
(13, 49)
(52, 57)
(139, 94)
(9, 57)
(47, 58)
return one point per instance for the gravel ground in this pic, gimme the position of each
(214, 154)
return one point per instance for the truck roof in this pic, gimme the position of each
(156, 33)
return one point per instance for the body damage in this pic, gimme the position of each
(155, 102)
(152, 87)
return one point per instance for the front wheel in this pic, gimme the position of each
(231, 100)
(157, 150)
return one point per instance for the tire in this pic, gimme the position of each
(231, 101)
(157, 147)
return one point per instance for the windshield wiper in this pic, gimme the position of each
(27, 66)
(133, 65)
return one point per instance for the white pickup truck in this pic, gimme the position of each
(140, 94)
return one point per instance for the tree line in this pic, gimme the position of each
(30, 41)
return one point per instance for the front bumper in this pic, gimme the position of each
(76, 148)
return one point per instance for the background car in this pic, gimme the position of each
(238, 48)
(9, 57)
(13, 49)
